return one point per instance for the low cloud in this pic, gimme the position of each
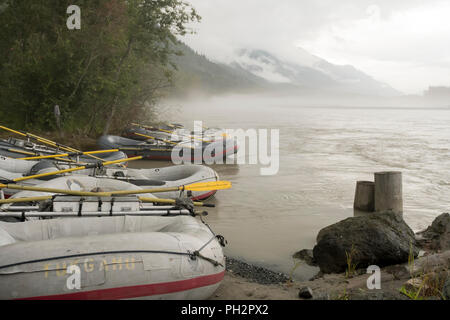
(403, 42)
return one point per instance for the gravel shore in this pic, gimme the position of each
(254, 273)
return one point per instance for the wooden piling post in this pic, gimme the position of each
(388, 192)
(364, 196)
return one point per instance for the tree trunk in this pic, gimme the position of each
(113, 106)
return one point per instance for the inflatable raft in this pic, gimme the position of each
(188, 151)
(11, 169)
(124, 257)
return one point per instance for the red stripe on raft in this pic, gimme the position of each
(137, 291)
(204, 195)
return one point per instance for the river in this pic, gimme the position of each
(323, 152)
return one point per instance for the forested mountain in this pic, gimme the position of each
(254, 70)
(195, 72)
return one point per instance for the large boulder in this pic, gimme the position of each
(377, 239)
(437, 236)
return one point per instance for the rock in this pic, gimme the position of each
(380, 239)
(305, 255)
(399, 271)
(436, 262)
(436, 236)
(415, 284)
(305, 293)
(446, 289)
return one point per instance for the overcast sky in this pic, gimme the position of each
(405, 43)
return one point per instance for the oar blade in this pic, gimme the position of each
(205, 186)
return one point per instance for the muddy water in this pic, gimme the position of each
(323, 152)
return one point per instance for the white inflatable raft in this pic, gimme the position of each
(110, 258)
(171, 176)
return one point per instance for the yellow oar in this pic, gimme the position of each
(46, 141)
(20, 151)
(153, 138)
(144, 149)
(69, 154)
(143, 126)
(25, 199)
(200, 186)
(49, 190)
(87, 166)
(166, 131)
(189, 136)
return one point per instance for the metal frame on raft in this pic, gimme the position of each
(78, 206)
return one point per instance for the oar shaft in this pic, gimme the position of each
(155, 190)
(172, 201)
(69, 154)
(121, 160)
(48, 190)
(153, 138)
(13, 131)
(25, 199)
(37, 176)
(21, 151)
(200, 186)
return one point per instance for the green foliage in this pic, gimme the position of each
(412, 294)
(351, 266)
(101, 76)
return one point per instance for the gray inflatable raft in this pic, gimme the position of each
(110, 258)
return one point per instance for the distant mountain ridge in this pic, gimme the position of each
(311, 72)
(253, 70)
(195, 72)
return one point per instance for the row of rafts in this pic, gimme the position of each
(83, 226)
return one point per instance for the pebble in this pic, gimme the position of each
(254, 273)
(305, 293)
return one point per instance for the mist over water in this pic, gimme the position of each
(323, 152)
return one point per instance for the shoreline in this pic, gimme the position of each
(244, 281)
(426, 277)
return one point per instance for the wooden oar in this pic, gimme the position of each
(87, 166)
(69, 154)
